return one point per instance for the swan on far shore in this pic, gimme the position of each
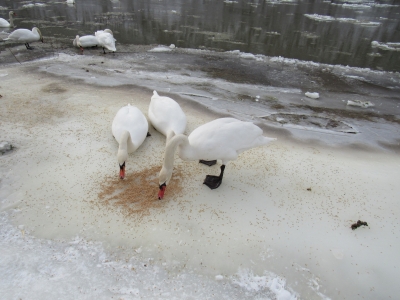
(106, 39)
(5, 23)
(129, 128)
(25, 36)
(166, 116)
(223, 139)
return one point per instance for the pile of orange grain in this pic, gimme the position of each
(137, 194)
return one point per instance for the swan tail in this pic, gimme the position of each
(155, 94)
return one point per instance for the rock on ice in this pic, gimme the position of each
(363, 104)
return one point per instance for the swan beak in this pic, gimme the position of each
(122, 171)
(162, 191)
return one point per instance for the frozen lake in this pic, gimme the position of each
(279, 227)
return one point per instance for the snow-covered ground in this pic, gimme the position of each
(279, 227)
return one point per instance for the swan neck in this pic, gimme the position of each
(170, 149)
(11, 21)
(123, 143)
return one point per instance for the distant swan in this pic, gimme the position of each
(5, 23)
(25, 36)
(106, 39)
(222, 139)
(166, 116)
(129, 128)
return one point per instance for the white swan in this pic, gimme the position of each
(222, 139)
(5, 23)
(85, 41)
(25, 36)
(166, 116)
(71, 1)
(106, 39)
(129, 128)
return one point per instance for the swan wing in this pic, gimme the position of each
(106, 40)
(23, 35)
(130, 118)
(225, 138)
(88, 41)
(165, 115)
(4, 23)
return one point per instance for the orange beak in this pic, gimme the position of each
(162, 191)
(122, 171)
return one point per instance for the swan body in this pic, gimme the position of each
(222, 139)
(25, 36)
(85, 41)
(166, 116)
(106, 39)
(71, 1)
(129, 128)
(5, 23)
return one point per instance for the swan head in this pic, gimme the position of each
(122, 156)
(164, 178)
(38, 31)
(109, 31)
(11, 14)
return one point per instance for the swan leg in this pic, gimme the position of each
(104, 51)
(148, 134)
(208, 162)
(28, 47)
(214, 182)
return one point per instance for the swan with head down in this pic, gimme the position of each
(85, 41)
(222, 139)
(129, 128)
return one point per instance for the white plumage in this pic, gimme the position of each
(166, 116)
(222, 139)
(5, 23)
(129, 128)
(106, 39)
(25, 36)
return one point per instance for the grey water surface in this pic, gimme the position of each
(332, 32)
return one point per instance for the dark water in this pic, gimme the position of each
(273, 28)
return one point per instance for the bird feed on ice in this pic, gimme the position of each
(364, 104)
(312, 95)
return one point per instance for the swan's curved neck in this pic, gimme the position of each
(123, 143)
(11, 21)
(170, 149)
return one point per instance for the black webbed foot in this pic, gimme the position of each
(208, 162)
(212, 181)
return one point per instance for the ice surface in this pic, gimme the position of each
(277, 228)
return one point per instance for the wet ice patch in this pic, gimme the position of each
(161, 49)
(363, 104)
(386, 46)
(272, 285)
(323, 18)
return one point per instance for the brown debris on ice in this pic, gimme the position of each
(136, 195)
